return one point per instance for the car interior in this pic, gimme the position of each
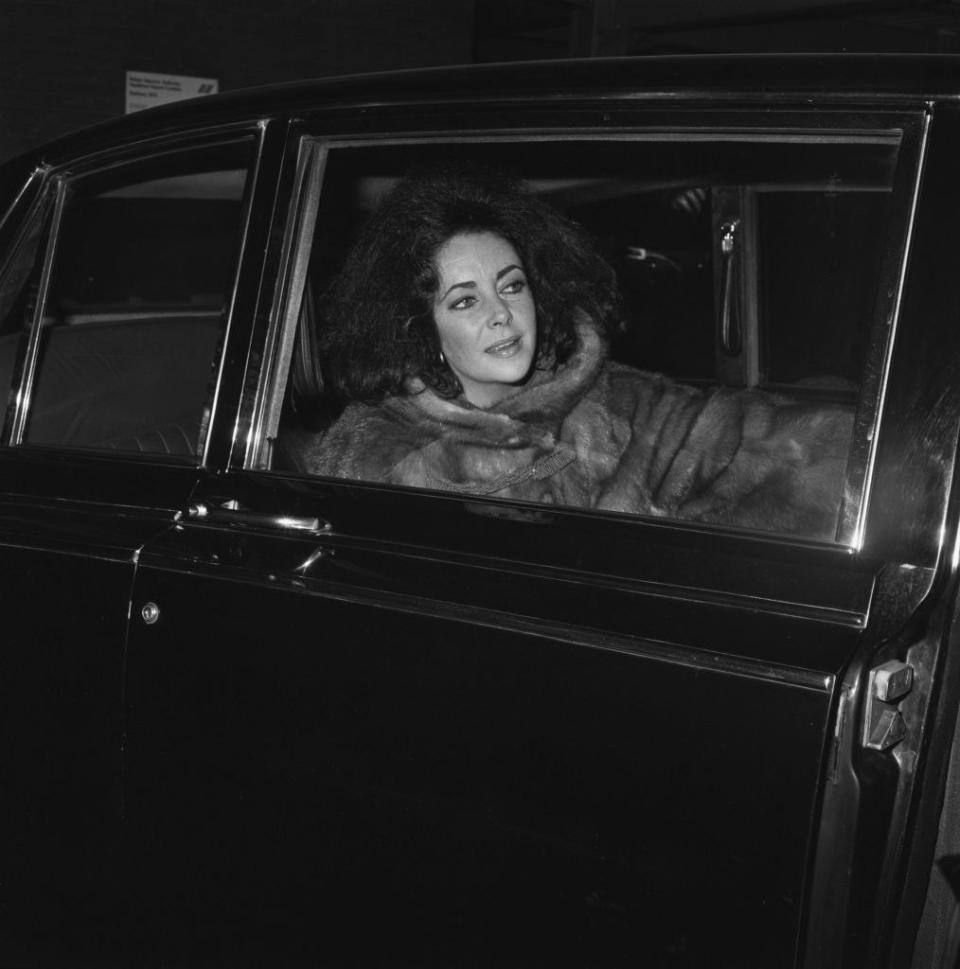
(133, 316)
(659, 213)
(743, 260)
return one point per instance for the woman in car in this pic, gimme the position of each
(469, 330)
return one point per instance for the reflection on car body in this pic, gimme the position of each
(260, 713)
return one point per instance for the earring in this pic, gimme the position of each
(443, 359)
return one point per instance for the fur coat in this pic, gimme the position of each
(602, 435)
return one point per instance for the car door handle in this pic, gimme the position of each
(230, 513)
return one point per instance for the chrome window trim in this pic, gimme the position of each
(853, 523)
(63, 176)
(860, 470)
(661, 133)
(37, 175)
(103, 159)
(24, 393)
(253, 176)
(287, 300)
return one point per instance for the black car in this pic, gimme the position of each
(254, 716)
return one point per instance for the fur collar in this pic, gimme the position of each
(531, 415)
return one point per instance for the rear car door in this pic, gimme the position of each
(377, 725)
(118, 279)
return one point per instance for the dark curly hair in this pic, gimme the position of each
(377, 329)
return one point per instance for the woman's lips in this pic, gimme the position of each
(505, 348)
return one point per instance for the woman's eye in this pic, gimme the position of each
(514, 286)
(465, 302)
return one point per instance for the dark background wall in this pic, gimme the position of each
(63, 63)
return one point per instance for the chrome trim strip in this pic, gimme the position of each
(38, 173)
(171, 142)
(856, 540)
(25, 390)
(733, 134)
(688, 657)
(251, 187)
(695, 658)
(285, 311)
(729, 99)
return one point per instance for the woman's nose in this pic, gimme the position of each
(501, 313)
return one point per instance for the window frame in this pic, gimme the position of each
(58, 182)
(311, 141)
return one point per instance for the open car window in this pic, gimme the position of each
(753, 267)
(109, 334)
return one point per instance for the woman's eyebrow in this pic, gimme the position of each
(506, 269)
(468, 284)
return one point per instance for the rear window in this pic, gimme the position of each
(754, 268)
(110, 334)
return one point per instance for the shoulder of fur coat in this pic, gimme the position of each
(607, 436)
(423, 440)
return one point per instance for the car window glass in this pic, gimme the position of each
(19, 287)
(749, 269)
(832, 237)
(140, 281)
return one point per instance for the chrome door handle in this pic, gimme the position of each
(230, 513)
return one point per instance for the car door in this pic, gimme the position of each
(116, 291)
(379, 725)
(905, 791)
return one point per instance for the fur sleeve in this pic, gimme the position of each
(762, 462)
(733, 457)
(367, 443)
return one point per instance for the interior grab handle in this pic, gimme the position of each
(230, 513)
(730, 339)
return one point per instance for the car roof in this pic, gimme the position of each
(866, 78)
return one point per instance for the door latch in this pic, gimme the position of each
(883, 726)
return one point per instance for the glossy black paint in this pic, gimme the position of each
(66, 579)
(475, 732)
(914, 476)
(758, 79)
(483, 787)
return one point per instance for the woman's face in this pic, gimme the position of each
(485, 315)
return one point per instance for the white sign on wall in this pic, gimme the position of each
(148, 90)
